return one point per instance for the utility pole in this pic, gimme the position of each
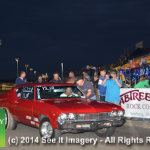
(35, 75)
(62, 71)
(17, 59)
(31, 73)
(26, 65)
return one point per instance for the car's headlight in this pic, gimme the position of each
(63, 116)
(113, 114)
(121, 113)
(71, 116)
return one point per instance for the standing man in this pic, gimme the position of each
(87, 88)
(90, 71)
(95, 86)
(40, 79)
(56, 78)
(113, 86)
(72, 78)
(101, 87)
(21, 79)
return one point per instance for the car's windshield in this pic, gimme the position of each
(54, 92)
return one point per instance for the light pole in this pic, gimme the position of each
(26, 65)
(62, 71)
(35, 75)
(31, 73)
(17, 59)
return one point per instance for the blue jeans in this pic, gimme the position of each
(115, 102)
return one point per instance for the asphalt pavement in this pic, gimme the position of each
(133, 135)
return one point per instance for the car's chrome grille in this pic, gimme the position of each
(92, 117)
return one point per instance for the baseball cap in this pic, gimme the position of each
(96, 75)
(78, 78)
(86, 76)
(113, 71)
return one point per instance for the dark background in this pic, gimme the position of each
(45, 33)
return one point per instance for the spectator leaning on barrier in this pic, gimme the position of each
(101, 87)
(56, 78)
(72, 78)
(113, 86)
(86, 87)
(21, 79)
(143, 83)
(40, 79)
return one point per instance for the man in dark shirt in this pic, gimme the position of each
(95, 82)
(72, 78)
(56, 78)
(21, 79)
(87, 88)
(40, 79)
(90, 72)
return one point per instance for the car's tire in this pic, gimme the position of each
(10, 123)
(105, 132)
(52, 133)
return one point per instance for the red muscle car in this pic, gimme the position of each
(58, 108)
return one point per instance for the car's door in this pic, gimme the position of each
(24, 105)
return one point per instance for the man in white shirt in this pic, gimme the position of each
(68, 93)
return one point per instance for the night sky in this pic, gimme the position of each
(45, 33)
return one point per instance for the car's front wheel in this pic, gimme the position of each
(105, 132)
(46, 130)
(10, 123)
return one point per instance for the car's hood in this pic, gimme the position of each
(82, 106)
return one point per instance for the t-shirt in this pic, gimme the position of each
(143, 61)
(71, 78)
(40, 81)
(64, 95)
(112, 90)
(21, 81)
(101, 87)
(87, 86)
(56, 81)
(142, 84)
(95, 83)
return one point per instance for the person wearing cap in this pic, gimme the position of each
(102, 88)
(40, 79)
(86, 77)
(113, 86)
(86, 87)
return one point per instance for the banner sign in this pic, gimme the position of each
(135, 102)
(2, 128)
(134, 64)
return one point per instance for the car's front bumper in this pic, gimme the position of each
(91, 125)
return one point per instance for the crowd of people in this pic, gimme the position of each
(96, 84)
